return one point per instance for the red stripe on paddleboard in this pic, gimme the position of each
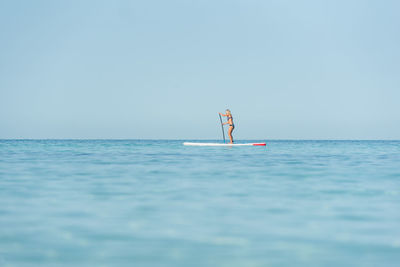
(262, 144)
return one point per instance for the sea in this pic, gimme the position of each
(159, 203)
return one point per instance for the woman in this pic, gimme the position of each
(228, 114)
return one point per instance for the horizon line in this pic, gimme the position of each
(198, 139)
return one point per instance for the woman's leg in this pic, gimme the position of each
(230, 134)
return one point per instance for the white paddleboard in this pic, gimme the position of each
(222, 144)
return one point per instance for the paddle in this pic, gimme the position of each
(222, 126)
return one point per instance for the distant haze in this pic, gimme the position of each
(164, 69)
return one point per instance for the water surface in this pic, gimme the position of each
(159, 203)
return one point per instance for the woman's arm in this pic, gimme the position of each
(223, 114)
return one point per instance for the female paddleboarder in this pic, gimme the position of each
(228, 114)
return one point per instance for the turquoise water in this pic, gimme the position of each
(159, 203)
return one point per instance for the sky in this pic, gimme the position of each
(150, 69)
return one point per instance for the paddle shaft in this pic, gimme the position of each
(222, 126)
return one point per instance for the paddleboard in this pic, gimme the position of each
(222, 144)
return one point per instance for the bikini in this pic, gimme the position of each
(230, 118)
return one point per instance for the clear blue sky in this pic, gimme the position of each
(163, 69)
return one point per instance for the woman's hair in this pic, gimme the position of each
(228, 110)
